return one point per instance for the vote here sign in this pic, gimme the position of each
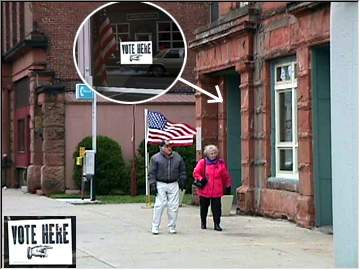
(40, 241)
(136, 52)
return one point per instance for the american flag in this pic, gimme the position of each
(105, 46)
(159, 128)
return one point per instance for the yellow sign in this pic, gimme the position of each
(79, 161)
(82, 152)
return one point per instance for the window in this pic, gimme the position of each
(168, 36)
(236, 5)
(121, 32)
(22, 93)
(286, 141)
(243, 4)
(21, 135)
(14, 23)
(22, 20)
(214, 11)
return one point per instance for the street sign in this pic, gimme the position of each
(83, 92)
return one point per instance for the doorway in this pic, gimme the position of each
(21, 123)
(322, 135)
(232, 82)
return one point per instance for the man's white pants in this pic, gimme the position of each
(168, 195)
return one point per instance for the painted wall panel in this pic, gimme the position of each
(344, 55)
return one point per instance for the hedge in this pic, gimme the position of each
(112, 174)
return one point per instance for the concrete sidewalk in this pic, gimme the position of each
(118, 236)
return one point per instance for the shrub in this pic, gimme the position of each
(112, 175)
(188, 153)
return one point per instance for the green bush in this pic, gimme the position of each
(188, 153)
(112, 175)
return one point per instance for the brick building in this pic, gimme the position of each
(41, 121)
(272, 63)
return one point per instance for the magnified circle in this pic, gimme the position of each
(130, 52)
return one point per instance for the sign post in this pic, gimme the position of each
(92, 183)
(83, 92)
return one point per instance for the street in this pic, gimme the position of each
(118, 236)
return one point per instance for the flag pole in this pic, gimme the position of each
(133, 189)
(148, 198)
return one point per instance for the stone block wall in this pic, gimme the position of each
(53, 146)
(279, 32)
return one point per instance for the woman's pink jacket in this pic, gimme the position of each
(217, 175)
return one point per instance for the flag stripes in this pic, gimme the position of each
(105, 46)
(159, 129)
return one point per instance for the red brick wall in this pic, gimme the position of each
(272, 6)
(225, 8)
(59, 21)
(5, 26)
(266, 7)
(5, 124)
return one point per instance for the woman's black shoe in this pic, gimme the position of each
(217, 228)
(203, 226)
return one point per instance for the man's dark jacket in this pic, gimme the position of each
(167, 169)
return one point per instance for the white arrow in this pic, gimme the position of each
(215, 99)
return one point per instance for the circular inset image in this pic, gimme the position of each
(130, 52)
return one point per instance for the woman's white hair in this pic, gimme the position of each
(210, 148)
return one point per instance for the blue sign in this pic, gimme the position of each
(83, 92)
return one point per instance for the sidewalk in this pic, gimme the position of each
(118, 236)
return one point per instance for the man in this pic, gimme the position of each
(167, 175)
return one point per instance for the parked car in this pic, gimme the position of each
(167, 61)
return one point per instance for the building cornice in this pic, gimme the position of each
(238, 21)
(35, 40)
(297, 8)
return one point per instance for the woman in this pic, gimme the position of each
(214, 170)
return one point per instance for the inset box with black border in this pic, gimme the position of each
(40, 241)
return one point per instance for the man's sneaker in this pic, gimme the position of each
(155, 231)
(172, 230)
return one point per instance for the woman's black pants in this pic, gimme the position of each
(215, 209)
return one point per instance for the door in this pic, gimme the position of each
(21, 124)
(322, 135)
(234, 128)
